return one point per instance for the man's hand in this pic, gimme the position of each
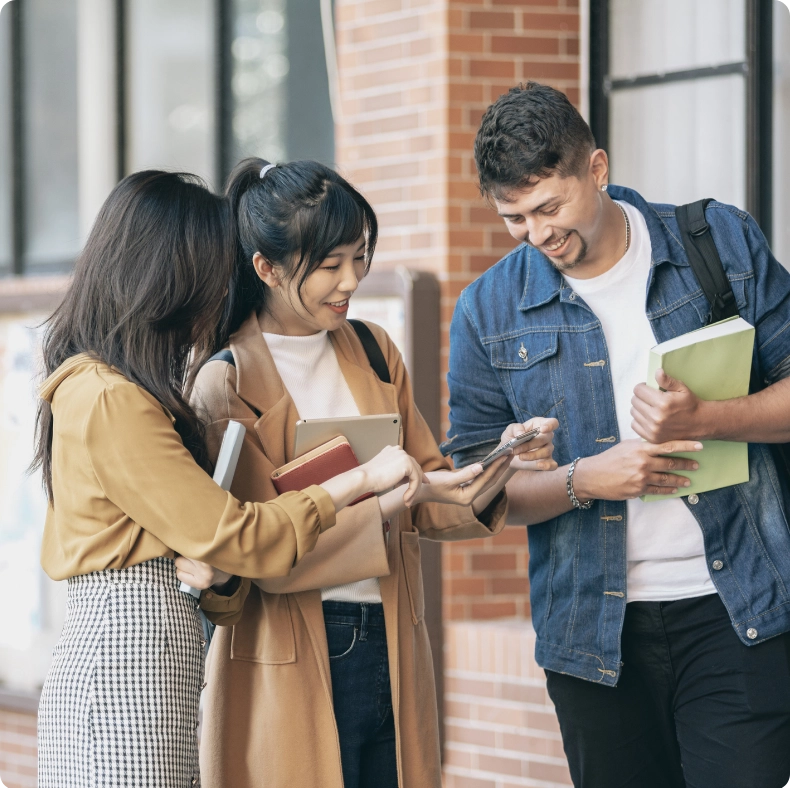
(633, 468)
(675, 413)
(535, 455)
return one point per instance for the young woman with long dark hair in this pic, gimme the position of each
(125, 464)
(326, 678)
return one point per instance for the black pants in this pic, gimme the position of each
(694, 707)
(361, 694)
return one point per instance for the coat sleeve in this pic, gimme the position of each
(144, 469)
(357, 551)
(440, 522)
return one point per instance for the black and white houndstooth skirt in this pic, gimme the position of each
(120, 703)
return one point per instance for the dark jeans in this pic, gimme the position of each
(694, 707)
(361, 694)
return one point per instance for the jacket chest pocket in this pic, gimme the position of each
(528, 367)
(529, 372)
(265, 633)
(412, 569)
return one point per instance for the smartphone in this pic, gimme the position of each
(511, 444)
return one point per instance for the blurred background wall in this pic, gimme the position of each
(690, 97)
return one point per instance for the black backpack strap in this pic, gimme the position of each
(224, 355)
(705, 261)
(372, 350)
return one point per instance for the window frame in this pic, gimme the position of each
(757, 69)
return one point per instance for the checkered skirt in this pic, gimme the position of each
(120, 703)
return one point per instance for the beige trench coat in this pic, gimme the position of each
(268, 719)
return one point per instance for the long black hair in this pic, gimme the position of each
(146, 297)
(294, 216)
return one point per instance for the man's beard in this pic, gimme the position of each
(567, 266)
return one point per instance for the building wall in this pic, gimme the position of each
(17, 746)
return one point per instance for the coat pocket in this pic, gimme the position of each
(265, 633)
(412, 569)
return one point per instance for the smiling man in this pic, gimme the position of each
(662, 627)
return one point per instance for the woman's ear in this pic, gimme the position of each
(265, 270)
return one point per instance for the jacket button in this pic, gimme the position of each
(693, 498)
(209, 595)
(572, 296)
(751, 633)
(718, 565)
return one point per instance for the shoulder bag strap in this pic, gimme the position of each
(372, 350)
(705, 260)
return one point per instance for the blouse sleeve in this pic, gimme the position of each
(144, 469)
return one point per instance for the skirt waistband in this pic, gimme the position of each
(157, 571)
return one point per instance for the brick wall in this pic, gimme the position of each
(415, 79)
(500, 727)
(18, 748)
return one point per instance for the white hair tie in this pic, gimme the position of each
(266, 169)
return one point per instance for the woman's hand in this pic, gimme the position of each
(463, 486)
(199, 575)
(535, 455)
(389, 468)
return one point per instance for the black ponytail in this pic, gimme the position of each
(294, 216)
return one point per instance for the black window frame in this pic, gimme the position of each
(758, 71)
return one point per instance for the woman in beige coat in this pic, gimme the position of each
(325, 680)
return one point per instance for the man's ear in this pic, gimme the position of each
(599, 167)
(267, 273)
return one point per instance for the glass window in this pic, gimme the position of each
(676, 140)
(6, 155)
(681, 141)
(279, 81)
(781, 146)
(651, 36)
(259, 51)
(170, 86)
(51, 160)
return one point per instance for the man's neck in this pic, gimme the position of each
(609, 247)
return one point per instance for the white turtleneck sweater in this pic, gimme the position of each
(310, 372)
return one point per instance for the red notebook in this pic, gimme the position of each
(328, 460)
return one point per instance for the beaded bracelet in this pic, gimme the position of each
(569, 488)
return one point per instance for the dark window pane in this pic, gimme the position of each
(6, 242)
(279, 83)
(50, 96)
(170, 73)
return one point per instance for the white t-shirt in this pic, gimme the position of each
(664, 546)
(310, 372)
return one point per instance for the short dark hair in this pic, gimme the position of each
(530, 132)
(294, 216)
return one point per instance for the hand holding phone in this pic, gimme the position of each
(506, 448)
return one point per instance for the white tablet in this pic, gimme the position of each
(368, 435)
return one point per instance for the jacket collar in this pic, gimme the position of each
(259, 385)
(543, 282)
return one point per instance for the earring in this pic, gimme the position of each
(604, 187)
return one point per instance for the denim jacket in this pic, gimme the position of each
(523, 344)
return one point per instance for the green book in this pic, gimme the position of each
(715, 363)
